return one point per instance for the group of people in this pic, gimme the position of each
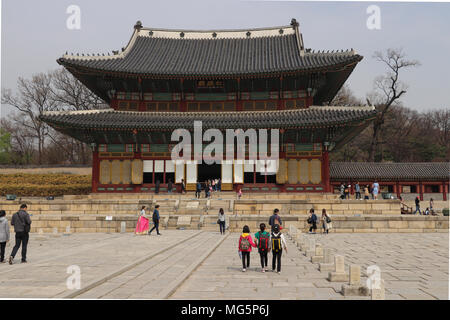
(209, 187)
(265, 242)
(313, 220)
(274, 241)
(368, 191)
(22, 224)
(429, 210)
(143, 224)
(169, 186)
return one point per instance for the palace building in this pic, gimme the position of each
(164, 80)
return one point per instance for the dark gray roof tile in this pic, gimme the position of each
(410, 171)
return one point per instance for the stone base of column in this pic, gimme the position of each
(317, 259)
(326, 267)
(355, 290)
(338, 277)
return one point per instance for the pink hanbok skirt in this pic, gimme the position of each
(142, 226)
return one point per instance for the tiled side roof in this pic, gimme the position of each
(112, 119)
(167, 53)
(389, 171)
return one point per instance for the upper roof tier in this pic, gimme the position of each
(161, 52)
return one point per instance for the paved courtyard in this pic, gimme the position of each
(194, 264)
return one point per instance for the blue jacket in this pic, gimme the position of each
(155, 215)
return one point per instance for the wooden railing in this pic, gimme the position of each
(405, 209)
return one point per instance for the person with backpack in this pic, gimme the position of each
(326, 221)
(4, 235)
(22, 225)
(342, 190)
(155, 219)
(198, 190)
(221, 221)
(277, 243)
(417, 201)
(263, 243)
(312, 220)
(245, 247)
(275, 219)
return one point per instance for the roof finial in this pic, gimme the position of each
(138, 25)
(294, 22)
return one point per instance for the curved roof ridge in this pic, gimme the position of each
(70, 112)
(343, 107)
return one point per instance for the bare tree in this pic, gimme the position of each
(22, 145)
(70, 94)
(345, 97)
(440, 119)
(33, 98)
(389, 90)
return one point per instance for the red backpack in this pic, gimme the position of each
(263, 241)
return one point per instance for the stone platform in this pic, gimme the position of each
(113, 212)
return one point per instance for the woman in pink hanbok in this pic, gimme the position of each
(143, 223)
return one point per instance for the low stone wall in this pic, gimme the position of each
(333, 207)
(353, 224)
(341, 224)
(170, 205)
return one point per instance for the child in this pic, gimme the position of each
(277, 243)
(245, 247)
(312, 220)
(263, 242)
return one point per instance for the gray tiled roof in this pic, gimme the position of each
(301, 118)
(389, 171)
(231, 55)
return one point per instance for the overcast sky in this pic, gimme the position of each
(34, 34)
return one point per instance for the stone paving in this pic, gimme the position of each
(194, 264)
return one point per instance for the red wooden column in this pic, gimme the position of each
(397, 189)
(326, 171)
(421, 190)
(445, 189)
(238, 95)
(95, 169)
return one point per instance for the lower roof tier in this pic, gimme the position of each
(336, 125)
(312, 117)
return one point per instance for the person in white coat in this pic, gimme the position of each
(4, 234)
(326, 221)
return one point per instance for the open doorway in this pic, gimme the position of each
(209, 172)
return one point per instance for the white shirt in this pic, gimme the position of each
(283, 241)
